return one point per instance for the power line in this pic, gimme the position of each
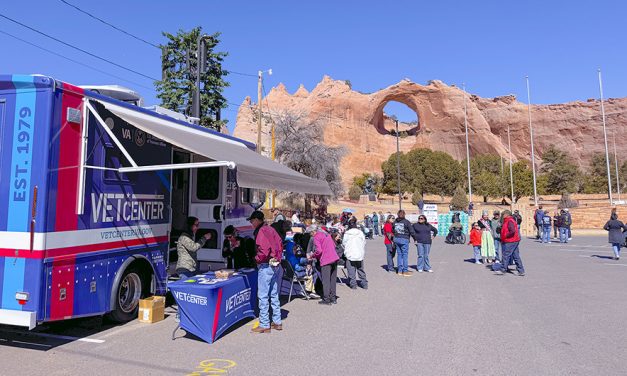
(78, 49)
(110, 25)
(239, 73)
(75, 61)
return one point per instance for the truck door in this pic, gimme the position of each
(207, 204)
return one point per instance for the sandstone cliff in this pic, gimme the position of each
(356, 120)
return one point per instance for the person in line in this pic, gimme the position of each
(545, 222)
(269, 252)
(423, 235)
(569, 222)
(557, 221)
(403, 230)
(187, 248)
(382, 220)
(537, 222)
(471, 208)
(564, 225)
(375, 224)
(388, 241)
(495, 227)
(421, 205)
(518, 219)
(324, 251)
(510, 239)
(278, 215)
(239, 252)
(487, 242)
(616, 230)
(354, 243)
(475, 241)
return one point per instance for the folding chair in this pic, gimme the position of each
(290, 275)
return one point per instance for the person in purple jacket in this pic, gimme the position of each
(324, 252)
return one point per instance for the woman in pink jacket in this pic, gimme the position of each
(324, 252)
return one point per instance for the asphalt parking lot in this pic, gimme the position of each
(565, 317)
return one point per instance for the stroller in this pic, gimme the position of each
(455, 236)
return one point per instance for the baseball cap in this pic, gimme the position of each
(257, 214)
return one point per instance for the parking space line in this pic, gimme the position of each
(606, 263)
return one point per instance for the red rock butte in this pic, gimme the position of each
(357, 121)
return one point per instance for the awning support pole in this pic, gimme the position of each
(80, 199)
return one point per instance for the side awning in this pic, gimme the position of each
(253, 170)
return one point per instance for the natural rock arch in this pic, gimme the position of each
(379, 118)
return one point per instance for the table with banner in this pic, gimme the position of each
(209, 306)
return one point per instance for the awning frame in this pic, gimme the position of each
(87, 109)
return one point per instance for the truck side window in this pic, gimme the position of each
(208, 183)
(244, 195)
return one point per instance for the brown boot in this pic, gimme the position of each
(276, 326)
(260, 330)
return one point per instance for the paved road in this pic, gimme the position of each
(566, 317)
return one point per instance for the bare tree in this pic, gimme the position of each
(300, 146)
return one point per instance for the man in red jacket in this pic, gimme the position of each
(510, 239)
(269, 254)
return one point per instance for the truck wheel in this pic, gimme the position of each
(127, 295)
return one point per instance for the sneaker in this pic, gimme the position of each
(570, 238)
(498, 272)
(334, 301)
(260, 330)
(407, 274)
(313, 295)
(521, 274)
(430, 271)
(420, 271)
(478, 262)
(324, 302)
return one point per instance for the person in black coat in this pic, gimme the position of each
(423, 235)
(616, 234)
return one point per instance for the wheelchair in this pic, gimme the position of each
(456, 236)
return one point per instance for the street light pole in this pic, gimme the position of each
(200, 67)
(398, 167)
(511, 174)
(533, 155)
(607, 156)
(467, 146)
(616, 166)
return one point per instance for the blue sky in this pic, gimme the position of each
(489, 45)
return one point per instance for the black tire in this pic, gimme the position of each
(130, 289)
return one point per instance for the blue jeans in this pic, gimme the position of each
(563, 235)
(546, 234)
(376, 228)
(477, 251)
(402, 250)
(390, 252)
(268, 294)
(616, 248)
(511, 252)
(423, 256)
(497, 249)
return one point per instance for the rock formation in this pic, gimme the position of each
(357, 121)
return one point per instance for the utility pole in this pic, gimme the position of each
(467, 146)
(607, 156)
(398, 167)
(533, 155)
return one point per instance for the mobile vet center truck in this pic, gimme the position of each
(93, 192)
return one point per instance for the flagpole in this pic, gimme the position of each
(467, 146)
(533, 156)
(607, 155)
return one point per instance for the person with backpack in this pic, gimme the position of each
(557, 220)
(423, 235)
(616, 233)
(564, 226)
(570, 222)
(537, 219)
(546, 227)
(403, 230)
(510, 239)
(354, 243)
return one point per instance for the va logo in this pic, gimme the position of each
(140, 137)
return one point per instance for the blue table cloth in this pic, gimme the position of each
(209, 306)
